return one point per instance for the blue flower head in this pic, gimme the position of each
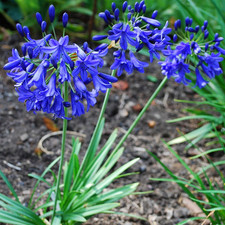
(48, 64)
(196, 49)
(133, 33)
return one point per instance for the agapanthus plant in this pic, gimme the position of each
(49, 67)
(53, 75)
(195, 52)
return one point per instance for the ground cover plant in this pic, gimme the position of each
(64, 79)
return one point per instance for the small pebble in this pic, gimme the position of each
(24, 137)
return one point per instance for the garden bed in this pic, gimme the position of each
(21, 131)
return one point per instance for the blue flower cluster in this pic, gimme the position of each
(195, 52)
(47, 66)
(132, 34)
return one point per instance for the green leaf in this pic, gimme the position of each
(108, 165)
(191, 219)
(9, 185)
(152, 78)
(90, 172)
(42, 175)
(89, 211)
(73, 217)
(207, 152)
(90, 153)
(113, 175)
(39, 178)
(15, 206)
(114, 194)
(193, 134)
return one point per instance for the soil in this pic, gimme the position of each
(21, 131)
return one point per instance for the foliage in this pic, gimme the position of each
(83, 192)
(84, 184)
(202, 188)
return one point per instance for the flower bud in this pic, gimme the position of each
(179, 23)
(206, 47)
(124, 6)
(116, 14)
(191, 37)
(30, 52)
(191, 29)
(136, 6)
(197, 29)
(43, 26)
(103, 16)
(26, 30)
(141, 6)
(187, 21)
(108, 15)
(24, 50)
(65, 19)
(20, 29)
(99, 37)
(129, 16)
(205, 24)
(175, 25)
(174, 38)
(51, 12)
(154, 14)
(144, 8)
(39, 18)
(101, 47)
(113, 6)
(206, 34)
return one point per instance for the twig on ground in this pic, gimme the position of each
(43, 149)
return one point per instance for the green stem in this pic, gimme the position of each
(133, 125)
(63, 146)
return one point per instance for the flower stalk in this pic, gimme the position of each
(63, 146)
(136, 121)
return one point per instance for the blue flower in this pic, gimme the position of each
(121, 63)
(151, 21)
(36, 45)
(194, 49)
(14, 61)
(212, 68)
(58, 108)
(182, 70)
(85, 64)
(103, 81)
(200, 81)
(21, 76)
(137, 64)
(60, 49)
(63, 73)
(133, 33)
(122, 31)
(77, 106)
(38, 76)
(183, 49)
(49, 65)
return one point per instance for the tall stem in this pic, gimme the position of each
(133, 125)
(63, 146)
